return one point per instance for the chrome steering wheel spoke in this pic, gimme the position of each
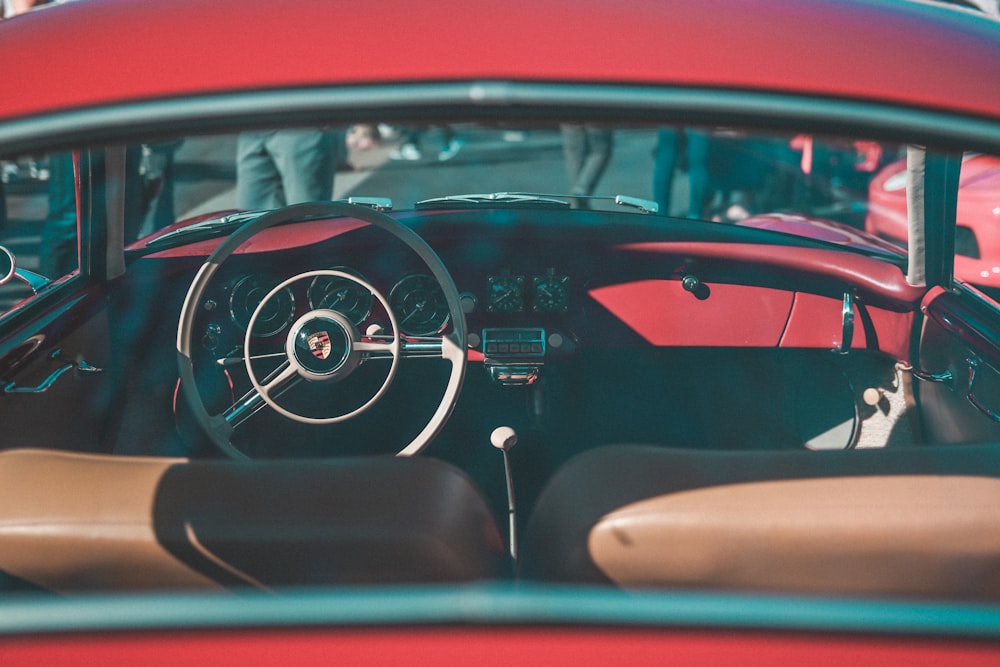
(277, 382)
(427, 347)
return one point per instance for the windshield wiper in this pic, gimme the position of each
(208, 227)
(644, 205)
(232, 221)
(493, 199)
(529, 200)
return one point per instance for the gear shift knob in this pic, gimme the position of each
(503, 437)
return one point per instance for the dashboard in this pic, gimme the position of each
(566, 280)
(595, 309)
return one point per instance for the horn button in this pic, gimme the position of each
(321, 346)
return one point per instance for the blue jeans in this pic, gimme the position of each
(669, 143)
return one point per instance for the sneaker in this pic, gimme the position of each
(451, 150)
(406, 152)
(736, 212)
(388, 132)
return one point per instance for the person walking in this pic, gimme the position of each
(685, 146)
(275, 168)
(587, 149)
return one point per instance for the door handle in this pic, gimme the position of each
(68, 364)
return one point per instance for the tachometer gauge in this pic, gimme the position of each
(506, 294)
(247, 294)
(419, 304)
(343, 295)
(550, 293)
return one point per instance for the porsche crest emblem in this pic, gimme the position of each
(319, 344)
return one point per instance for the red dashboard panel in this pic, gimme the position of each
(815, 321)
(875, 277)
(273, 239)
(664, 313)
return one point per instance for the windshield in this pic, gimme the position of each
(714, 174)
(842, 191)
(817, 187)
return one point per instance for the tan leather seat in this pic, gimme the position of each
(920, 522)
(96, 522)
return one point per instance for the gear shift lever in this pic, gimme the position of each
(504, 438)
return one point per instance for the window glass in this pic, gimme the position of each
(718, 174)
(977, 231)
(38, 218)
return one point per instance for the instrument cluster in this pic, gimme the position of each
(416, 299)
(548, 293)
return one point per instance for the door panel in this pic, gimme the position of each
(56, 375)
(958, 367)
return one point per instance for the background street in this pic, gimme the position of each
(490, 160)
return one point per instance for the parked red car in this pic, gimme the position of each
(271, 396)
(977, 233)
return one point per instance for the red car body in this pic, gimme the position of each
(163, 52)
(977, 259)
(96, 74)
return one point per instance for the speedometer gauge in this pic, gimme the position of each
(419, 304)
(247, 294)
(343, 295)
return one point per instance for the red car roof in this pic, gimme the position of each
(97, 51)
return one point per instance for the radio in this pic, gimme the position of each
(514, 357)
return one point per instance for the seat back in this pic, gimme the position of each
(900, 522)
(99, 522)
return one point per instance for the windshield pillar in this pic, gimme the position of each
(932, 202)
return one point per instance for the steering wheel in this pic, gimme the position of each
(323, 346)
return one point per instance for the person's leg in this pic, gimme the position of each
(162, 212)
(664, 163)
(596, 161)
(258, 183)
(697, 160)
(58, 251)
(451, 144)
(574, 148)
(305, 159)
